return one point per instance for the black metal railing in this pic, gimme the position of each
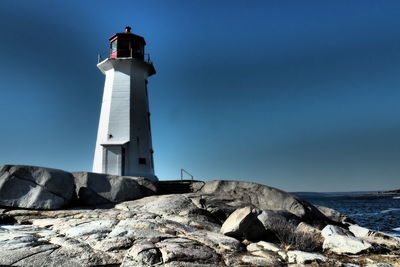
(184, 171)
(104, 55)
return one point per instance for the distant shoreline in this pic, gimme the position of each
(389, 193)
(392, 192)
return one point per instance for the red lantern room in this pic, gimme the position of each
(127, 44)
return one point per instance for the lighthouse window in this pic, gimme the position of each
(142, 161)
(114, 46)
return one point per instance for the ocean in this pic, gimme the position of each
(374, 211)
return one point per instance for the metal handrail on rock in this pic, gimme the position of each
(185, 171)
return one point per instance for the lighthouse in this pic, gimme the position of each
(124, 145)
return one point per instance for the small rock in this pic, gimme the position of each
(187, 251)
(144, 252)
(261, 261)
(350, 265)
(296, 256)
(262, 245)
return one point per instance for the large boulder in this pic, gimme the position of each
(375, 237)
(261, 196)
(332, 230)
(96, 188)
(271, 219)
(35, 187)
(342, 241)
(243, 224)
(334, 215)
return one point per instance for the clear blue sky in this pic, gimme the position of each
(299, 95)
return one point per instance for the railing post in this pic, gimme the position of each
(182, 171)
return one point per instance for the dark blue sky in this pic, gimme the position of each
(300, 95)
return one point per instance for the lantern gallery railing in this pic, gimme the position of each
(105, 55)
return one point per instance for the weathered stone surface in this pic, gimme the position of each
(160, 205)
(99, 227)
(263, 197)
(186, 251)
(332, 230)
(243, 224)
(342, 241)
(271, 218)
(24, 246)
(261, 261)
(296, 256)
(35, 187)
(334, 215)
(219, 242)
(142, 254)
(96, 188)
(262, 245)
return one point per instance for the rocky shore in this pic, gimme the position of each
(54, 218)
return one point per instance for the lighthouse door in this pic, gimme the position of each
(113, 160)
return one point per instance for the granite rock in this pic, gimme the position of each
(97, 189)
(35, 187)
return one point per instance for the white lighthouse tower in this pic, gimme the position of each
(124, 144)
